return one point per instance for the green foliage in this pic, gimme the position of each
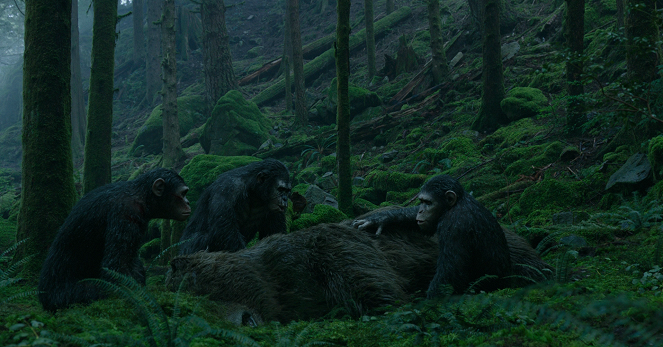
(394, 181)
(551, 194)
(321, 214)
(7, 233)
(522, 160)
(635, 215)
(320, 149)
(8, 275)
(516, 133)
(523, 102)
(655, 156)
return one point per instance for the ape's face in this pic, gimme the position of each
(429, 213)
(279, 197)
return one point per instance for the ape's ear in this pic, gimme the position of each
(451, 198)
(262, 177)
(158, 187)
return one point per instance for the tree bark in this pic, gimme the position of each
(439, 67)
(287, 58)
(172, 149)
(389, 6)
(183, 30)
(575, 33)
(343, 107)
(301, 113)
(97, 163)
(217, 60)
(139, 36)
(47, 190)
(78, 116)
(619, 4)
(491, 114)
(641, 34)
(370, 38)
(152, 65)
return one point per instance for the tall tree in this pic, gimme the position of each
(370, 38)
(343, 106)
(287, 58)
(139, 36)
(389, 6)
(301, 114)
(47, 191)
(439, 65)
(217, 60)
(183, 30)
(642, 35)
(575, 33)
(152, 66)
(97, 163)
(172, 149)
(78, 116)
(491, 114)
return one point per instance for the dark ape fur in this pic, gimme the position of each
(301, 275)
(471, 241)
(104, 230)
(526, 264)
(238, 204)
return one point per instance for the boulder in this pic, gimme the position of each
(633, 173)
(523, 102)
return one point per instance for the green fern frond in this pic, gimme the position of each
(4, 275)
(19, 296)
(477, 282)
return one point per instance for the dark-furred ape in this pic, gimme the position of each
(104, 230)
(471, 241)
(240, 203)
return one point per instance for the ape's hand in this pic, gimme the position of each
(369, 222)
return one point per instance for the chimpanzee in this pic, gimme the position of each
(104, 230)
(238, 204)
(472, 243)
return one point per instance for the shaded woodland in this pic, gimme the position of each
(548, 113)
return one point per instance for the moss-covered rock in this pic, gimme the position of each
(254, 52)
(308, 175)
(551, 195)
(203, 169)
(360, 99)
(523, 102)
(321, 214)
(361, 206)
(236, 127)
(534, 156)
(328, 163)
(402, 197)
(512, 134)
(190, 113)
(655, 156)
(394, 181)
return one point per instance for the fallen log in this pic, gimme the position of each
(313, 68)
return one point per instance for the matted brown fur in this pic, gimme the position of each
(302, 275)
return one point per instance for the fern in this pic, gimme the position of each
(563, 273)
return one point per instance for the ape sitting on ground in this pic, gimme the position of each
(301, 275)
(471, 241)
(238, 204)
(104, 230)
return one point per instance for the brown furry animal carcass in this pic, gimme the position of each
(305, 274)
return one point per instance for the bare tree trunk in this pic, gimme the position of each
(491, 114)
(153, 67)
(183, 30)
(217, 61)
(301, 113)
(287, 58)
(620, 13)
(389, 6)
(139, 36)
(78, 116)
(575, 33)
(47, 190)
(439, 66)
(97, 163)
(370, 39)
(343, 107)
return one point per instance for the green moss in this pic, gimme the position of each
(204, 169)
(360, 98)
(328, 163)
(308, 175)
(512, 134)
(7, 234)
(551, 195)
(460, 145)
(190, 112)
(321, 214)
(388, 90)
(394, 181)
(301, 188)
(361, 206)
(254, 52)
(655, 156)
(523, 102)
(434, 156)
(401, 197)
(533, 156)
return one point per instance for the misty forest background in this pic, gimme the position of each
(548, 112)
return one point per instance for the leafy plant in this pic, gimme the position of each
(635, 215)
(292, 339)
(320, 148)
(8, 276)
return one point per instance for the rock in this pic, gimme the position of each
(509, 50)
(523, 102)
(254, 52)
(573, 241)
(360, 100)
(327, 181)
(358, 181)
(636, 170)
(456, 59)
(389, 156)
(250, 17)
(563, 218)
(315, 195)
(569, 153)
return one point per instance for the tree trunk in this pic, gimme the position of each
(439, 67)
(97, 164)
(575, 33)
(389, 6)
(152, 66)
(78, 116)
(301, 113)
(370, 39)
(47, 190)
(642, 35)
(172, 149)
(491, 114)
(217, 61)
(619, 4)
(139, 37)
(183, 30)
(343, 107)
(287, 58)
